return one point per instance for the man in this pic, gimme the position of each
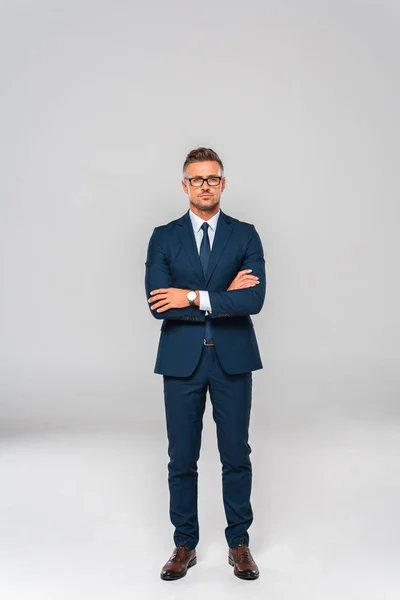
(205, 276)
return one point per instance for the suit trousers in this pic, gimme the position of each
(184, 400)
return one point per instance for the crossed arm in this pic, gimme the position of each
(244, 296)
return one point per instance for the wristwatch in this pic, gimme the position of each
(191, 296)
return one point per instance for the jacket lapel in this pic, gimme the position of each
(222, 235)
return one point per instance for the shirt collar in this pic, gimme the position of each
(197, 222)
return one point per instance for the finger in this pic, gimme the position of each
(161, 302)
(244, 273)
(252, 282)
(164, 307)
(158, 291)
(248, 278)
(247, 284)
(157, 297)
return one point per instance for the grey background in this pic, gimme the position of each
(99, 104)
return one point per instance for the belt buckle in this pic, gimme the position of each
(205, 343)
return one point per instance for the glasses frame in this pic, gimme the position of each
(189, 179)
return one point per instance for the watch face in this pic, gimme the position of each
(191, 296)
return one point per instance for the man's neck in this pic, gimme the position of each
(205, 215)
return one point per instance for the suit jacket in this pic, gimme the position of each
(173, 261)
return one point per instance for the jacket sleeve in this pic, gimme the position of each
(158, 275)
(246, 301)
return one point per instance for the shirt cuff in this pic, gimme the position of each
(204, 301)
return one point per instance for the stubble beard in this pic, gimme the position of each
(205, 206)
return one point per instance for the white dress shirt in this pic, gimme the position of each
(197, 222)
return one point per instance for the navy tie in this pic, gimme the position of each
(205, 252)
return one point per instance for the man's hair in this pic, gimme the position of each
(201, 154)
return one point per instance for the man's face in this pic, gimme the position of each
(205, 198)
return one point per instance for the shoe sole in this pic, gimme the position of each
(191, 563)
(245, 577)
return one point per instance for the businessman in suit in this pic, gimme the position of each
(205, 276)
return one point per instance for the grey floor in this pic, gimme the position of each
(84, 513)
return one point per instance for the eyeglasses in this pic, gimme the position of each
(198, 181)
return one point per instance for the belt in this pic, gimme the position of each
(209, 342)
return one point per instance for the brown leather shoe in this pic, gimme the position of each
(180, 561)
(241, 559)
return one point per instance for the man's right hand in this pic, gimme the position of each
(243, 280)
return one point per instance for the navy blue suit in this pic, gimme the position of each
(189, 368)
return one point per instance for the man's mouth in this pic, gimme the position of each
(206, 196)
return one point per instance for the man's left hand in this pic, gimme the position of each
(166, 298)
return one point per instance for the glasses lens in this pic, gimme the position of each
(197, 182)
(213, 180)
